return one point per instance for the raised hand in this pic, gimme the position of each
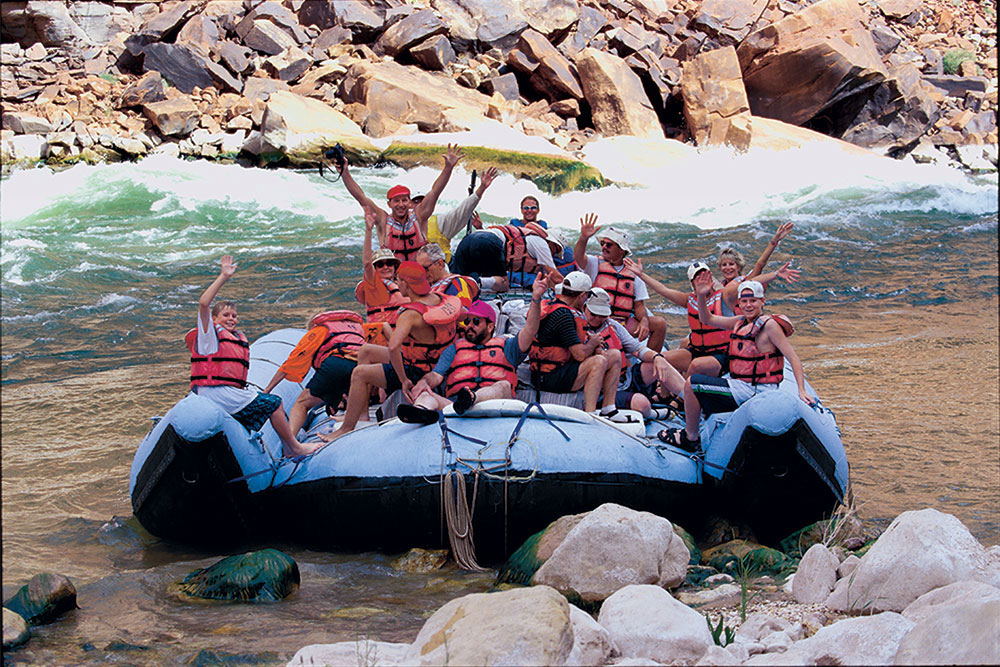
(477, 222)
(703, 283)
(588, 225)
(452, 156)
(782, 232)
(787, 273)
(633, 265)
(487, 178)
(539, 286)
(369, 218)
(228, 266)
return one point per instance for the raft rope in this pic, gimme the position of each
(459, 517)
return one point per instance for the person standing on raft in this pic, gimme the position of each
(220, 359)
(404, 228)
(441, 229)
(758, 346)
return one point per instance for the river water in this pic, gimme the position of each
(896, 317)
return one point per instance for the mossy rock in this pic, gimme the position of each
(697, 574)
(258, 576)
(15, 630)
(520, 566)
(43, 599)
(421, 560)
(552, 174)
(689, 542)
(758, 560)
(953, 59)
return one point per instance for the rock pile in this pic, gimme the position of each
(116, 80)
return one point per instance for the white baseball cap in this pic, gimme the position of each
(575, 281)
(753, 286)
(615, 236)
(697, 268)
(599, 302)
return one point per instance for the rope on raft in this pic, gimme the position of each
(459, 518)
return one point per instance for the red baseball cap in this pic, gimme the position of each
(415, 276)
(397, 190)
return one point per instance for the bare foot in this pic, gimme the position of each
(302, 448)
(330, 436)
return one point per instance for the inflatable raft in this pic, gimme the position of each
(200, 478)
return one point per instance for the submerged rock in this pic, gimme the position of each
(421, 560)
(15, 630)
(43, 599)
(258, 576)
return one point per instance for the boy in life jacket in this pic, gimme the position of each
(414, 347)
(563, 358)
(331, 348)
(441, 229)
(478, 366)
(758, 347)
(404, 228)
(220, 359)
(609, 272)
(640, 379)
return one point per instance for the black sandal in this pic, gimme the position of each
(465, 399)
(411, 414)
(678, 437)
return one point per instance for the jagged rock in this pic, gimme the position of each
(15, 630)
(468, 78)
(816, 575)
(24, 123)
(332, 37)
(591, 643)
(590, 23)
(434, 53)
(899, 112)
(973, 157)
(201, 34)
(24, 147)
(288, 65)
(349, 654)
(731, 19)
(256, 88)
(715, 103)
(800, 66)
(886, 39)
(264, 36)
(234, 56)
(647, 622)
(173, 116)
(148, 88)
(43, 599)
(52, 24)
(359, 18)
(35, 52)
(421, 560)
(898, 9)
(127, 145)
(919, 551)
(301, 127)
(963, 633)
(319, 14)
(267, 575)
(958, 86)
(523, 626)
(102, 22)
(412, 30)
(631, 38)
(618, 103)
(566, 108)
(555, 77)
(552, 18)
(179, 65)
(169, 19)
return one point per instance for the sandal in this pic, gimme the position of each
(678, 437)
(464, 400)
(412, 414)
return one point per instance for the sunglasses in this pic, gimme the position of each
(607, 244)
(474, 321)
(382, 263)
(529, 207)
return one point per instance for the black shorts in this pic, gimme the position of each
(559, 381)
(479, 254)
(721, 357)
(714, 394)
(332, 380)
(392, 382)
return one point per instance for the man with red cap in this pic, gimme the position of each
(403, 229)
(426, 326)
(478, 366)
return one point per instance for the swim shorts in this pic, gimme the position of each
(258, 411)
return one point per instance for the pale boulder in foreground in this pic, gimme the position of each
(816, 575)
(941, 599)
(867, 640)
(965, 633)
(646, 622)
(592, 644)
(524, 626)
(613, 547)
(350, 654)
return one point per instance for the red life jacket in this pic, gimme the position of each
(404, 239)
(478, 366)
(545, 359)
(705, 340)
(611, 340)
(228, 366)
(464, 287)
(425, 355)
(620, 286)
(746, 362)
(344, 337)
(516, 249)
(387, 312)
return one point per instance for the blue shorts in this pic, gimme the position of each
(258, 411)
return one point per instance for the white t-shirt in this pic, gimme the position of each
(229, 398)
(641, 293)
(536, 247)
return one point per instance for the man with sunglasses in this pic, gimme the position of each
(609, 272)
(478, 366)
(443, 281)
(529, 213)
(564, 359)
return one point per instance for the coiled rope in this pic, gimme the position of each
(459, 518)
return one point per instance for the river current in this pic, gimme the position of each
(896, 317)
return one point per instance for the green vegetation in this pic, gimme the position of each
(953, 60)
(521, 565)
(721, 634)
(745, 572)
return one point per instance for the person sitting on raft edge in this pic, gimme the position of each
(478, 366)
(220, 359)
(404, 229)
(758, 346)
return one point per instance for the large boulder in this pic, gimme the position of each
(919, 551)
(937, 601)
(410, 31)
(899, 112)
(523, 626)
(549, 71)
(302, 127)
(730, 20)
(715, 102)
(800, 66)
(499, 23)
(43, 599)
(964, 633)
(267, 575)
(613, 547)
(15, 630)
(173, 117)
(51, 24)
(816, 576)
(647, 622)
(868, 640)
(168, 20)
(147, 89)
(351, 654)
(187, 68)
(618, 103)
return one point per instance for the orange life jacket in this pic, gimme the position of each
(516, 249)
(464, 287)
(375, 333)
(345, 335)
(746, 362)
(425, 355)
(611, 340)
(478, 366)
(620, 286)
(705, 340)
(228, 366)
(404, 239)
(545, 359)
(387, 312)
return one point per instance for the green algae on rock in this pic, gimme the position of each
(267, 575)
(43, 599)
